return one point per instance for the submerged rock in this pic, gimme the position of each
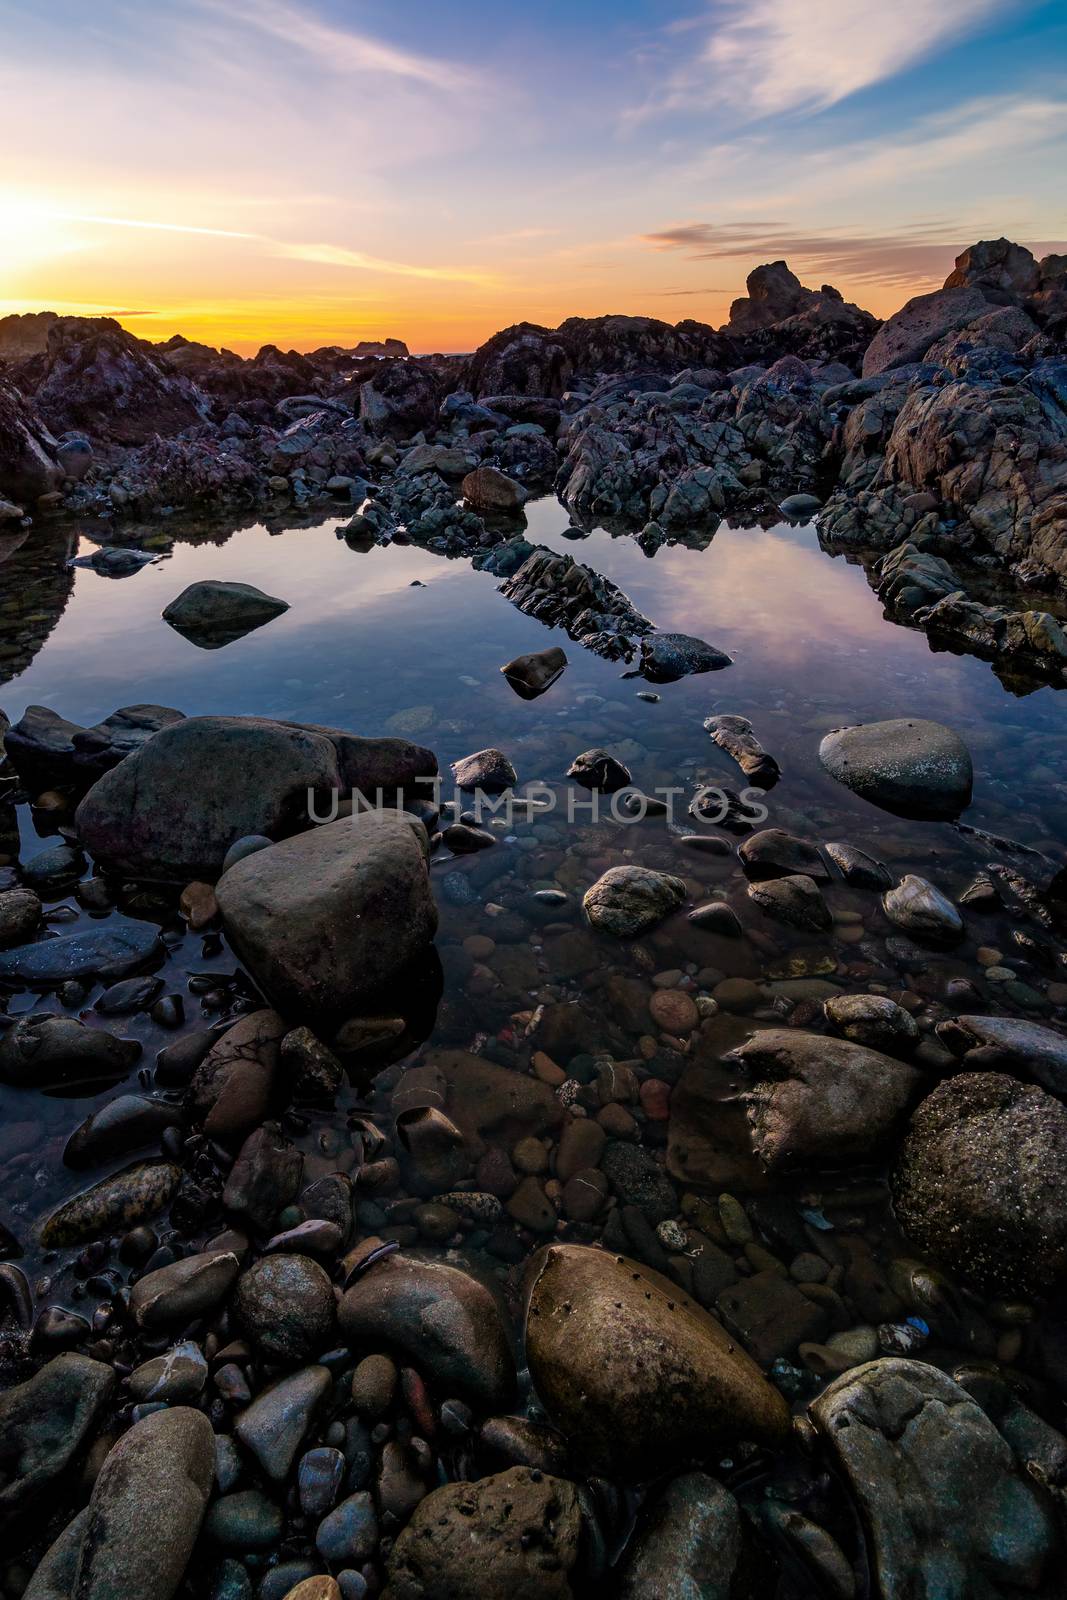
(946, 1507)
(46, 1423)
(910, 766)
(978, 1182)
(212, 614)
(118, 1128)
(101, 950)
(328, 919)
(517, 1534)
(113, 1205)
(531, 675)
(42, 1050)
(818, 1100)
(632, 1372)
(488, 770)
(922, 910)
(626, 901)
(735, 735)
(600, 770)
(439, 1317)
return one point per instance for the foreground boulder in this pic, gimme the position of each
(946, 1507)
(979, 1182)
(910, 766)
(516, 1534)
(174, 807)
(328, 919)
(626, 901)
(491, 491)
(818, 1100)
(212, 614)
(438, 1317)
(908, 334)
(45, 1424)
(635, 1374)
(146, 1509)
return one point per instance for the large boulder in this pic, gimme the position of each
(174, 807)
(909, 765)
(908, 334)
(438, 1317)
(328, 919)
(629, 900)
(997, 265)
(516, 1534)
(398, 398)
(820, 1101)
(946, 1507)
(635, 1374)
(146, 1508)
(522, 360)
(979, 1183)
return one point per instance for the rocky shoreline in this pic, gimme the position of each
(472, 1208)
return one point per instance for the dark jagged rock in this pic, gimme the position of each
(28, 464)
(562, 593)
(94, 375)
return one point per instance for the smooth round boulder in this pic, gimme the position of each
(625, 901)
(285, 1303)
(632, 1371)
(979, 1182)
(438, 1318)
(908, 765)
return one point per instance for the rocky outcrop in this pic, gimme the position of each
(25, 334)
(779, 316)
(521, 360)
(28, 464)
(398, 398)
(96, 376)
(563, 593)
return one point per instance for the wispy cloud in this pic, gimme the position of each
(140, 222)
(330, 255)
(780, 56)
(340, 50)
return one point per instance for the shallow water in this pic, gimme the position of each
(399, 640)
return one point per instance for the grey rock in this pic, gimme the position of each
(183, 1290)
(175, 1378)
(42, 1050)
(693, 1541)
(908, 334)
(488, 770)
(105, 950)
(45, 1425)
(909, 766)
(774, 853)
(599, 769)
(285, 1304)
(245, 1521)
(118, 1129)
(274, 1426)
(264, 1178)
(212, 613)
(349, 1533)
(796, 899)
(873, 1020)
(665, 657)
(328, 919)
(858, 869)
(921, 909)
(530, 675)
(946, 1507)
(1022, 1047)
(20, 914)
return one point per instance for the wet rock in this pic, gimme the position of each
(638, 1180)
(942, 1498)
(488, 770)
(264, 1178)
(531, 675)
(327, 919)
(45, 1424)
(117, 1129)
(976, 1184)
(349, 1533)
(274, 1426)
(591, 609)
(922, 910)
(146, 1508)
(1019, 1046)
(438, 1317)
(490, 491)
(53, 870)
(115, 1204)
(42, 1050)
(910, 766)
(20, 915)
(313, 1071)
(631, 1371)
(774, 853)
(463, 839)
(173, 808)
(820, 1100)
(693, 1540)
(28, 464)
(319, 1479)
(873, 1020)
(105, 744)
(599, 769)
(245, 1521)
(285, 1304)
(625, 901)
(232, 1087)
(770, 1315)
(517, 1533)
(212, 614)
(717, 917)
(796, 900)
(666, 657)
(184, 1290)
(176, 1378)
(858, 869)
(102, 950)
(735, 735)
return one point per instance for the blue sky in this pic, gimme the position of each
(253, 169)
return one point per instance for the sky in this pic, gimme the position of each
(309, 172)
